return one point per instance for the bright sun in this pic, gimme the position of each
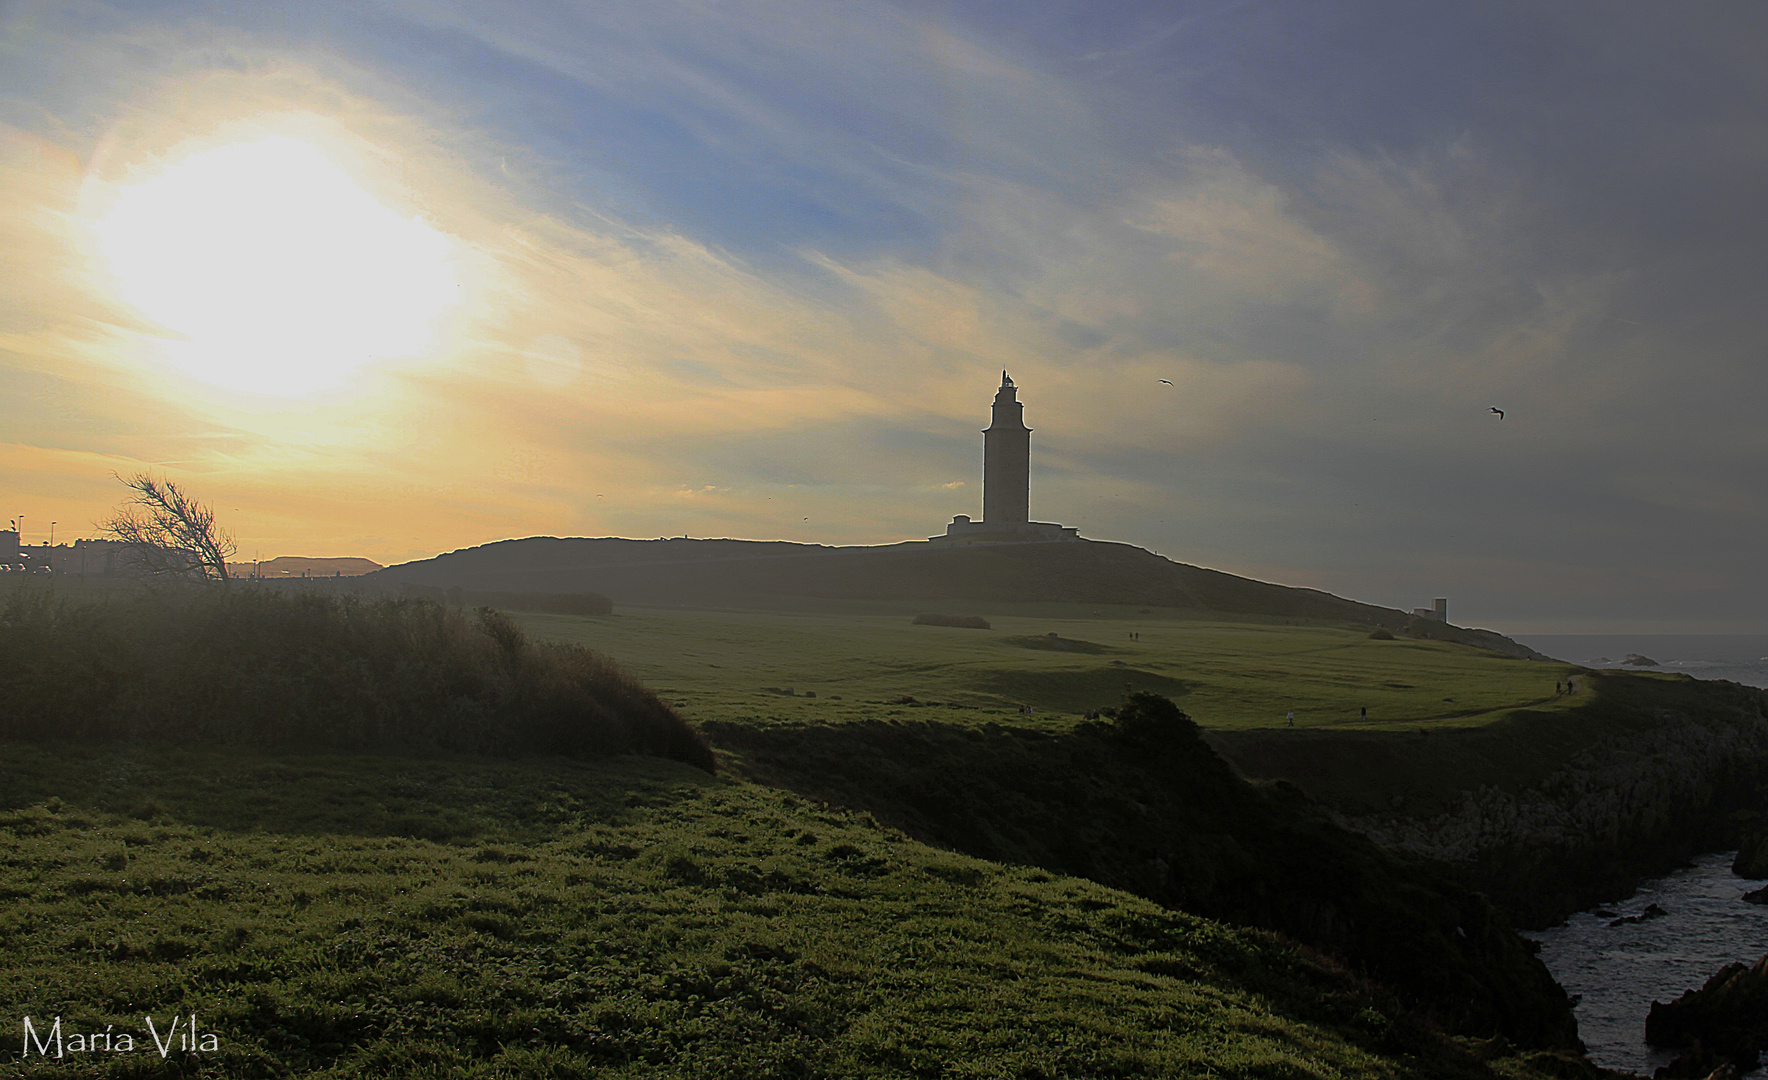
(277, 271)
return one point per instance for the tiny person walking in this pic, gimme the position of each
(1291, 717)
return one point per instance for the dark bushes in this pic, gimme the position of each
(317, 670)
(971, 622)
(1154, 722)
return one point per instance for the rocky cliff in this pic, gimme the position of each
(1671, 767)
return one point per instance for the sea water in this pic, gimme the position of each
(1741, 658)
(1620, 970)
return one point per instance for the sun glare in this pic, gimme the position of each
(279, 274)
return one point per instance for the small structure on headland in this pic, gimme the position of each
(1006, 483)
(1438, 611)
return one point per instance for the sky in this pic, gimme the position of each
(392, 279)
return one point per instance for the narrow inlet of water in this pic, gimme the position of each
(1620, 970)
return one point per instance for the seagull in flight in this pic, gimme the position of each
(1499, 411)
(1168, 382)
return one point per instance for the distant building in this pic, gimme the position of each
(104, 558)
(1006, 482)
(1438, 611)
(97, 558)
(9, 553)
(83, 558)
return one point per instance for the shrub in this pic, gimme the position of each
(1381, 633)
(1152, 720)
(972, 622)
(317, 670)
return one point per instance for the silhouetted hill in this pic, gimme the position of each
(739, 573)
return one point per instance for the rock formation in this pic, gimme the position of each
(1728, 1016)
(1752, 858)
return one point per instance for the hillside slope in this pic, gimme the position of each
(348, 916)
(1142, 804)
(738, 573)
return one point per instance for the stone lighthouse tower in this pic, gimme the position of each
(1006, 460)
(1006, 483)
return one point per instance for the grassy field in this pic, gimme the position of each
(445, 916)
(1243, 674)
(718, 665)
(433, 914)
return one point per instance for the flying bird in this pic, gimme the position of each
(1499, 411)
(1168, 382)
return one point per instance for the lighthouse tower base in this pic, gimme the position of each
(964, 531)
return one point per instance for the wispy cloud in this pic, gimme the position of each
(727, 268)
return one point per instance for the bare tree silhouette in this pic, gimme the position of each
(168, 533)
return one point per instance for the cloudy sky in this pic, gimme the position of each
(390, 279)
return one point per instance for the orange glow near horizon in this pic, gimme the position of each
(276, 271)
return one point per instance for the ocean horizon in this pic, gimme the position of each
(1739, 658)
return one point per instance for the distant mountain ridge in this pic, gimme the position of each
(287, 566)
(740, 573)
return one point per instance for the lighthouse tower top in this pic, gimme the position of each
(1009, 411)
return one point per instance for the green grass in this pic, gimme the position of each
(631, 917)
(427, 914)
(1227, 675)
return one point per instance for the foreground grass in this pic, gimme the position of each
(623, 918)
(1227, 675)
